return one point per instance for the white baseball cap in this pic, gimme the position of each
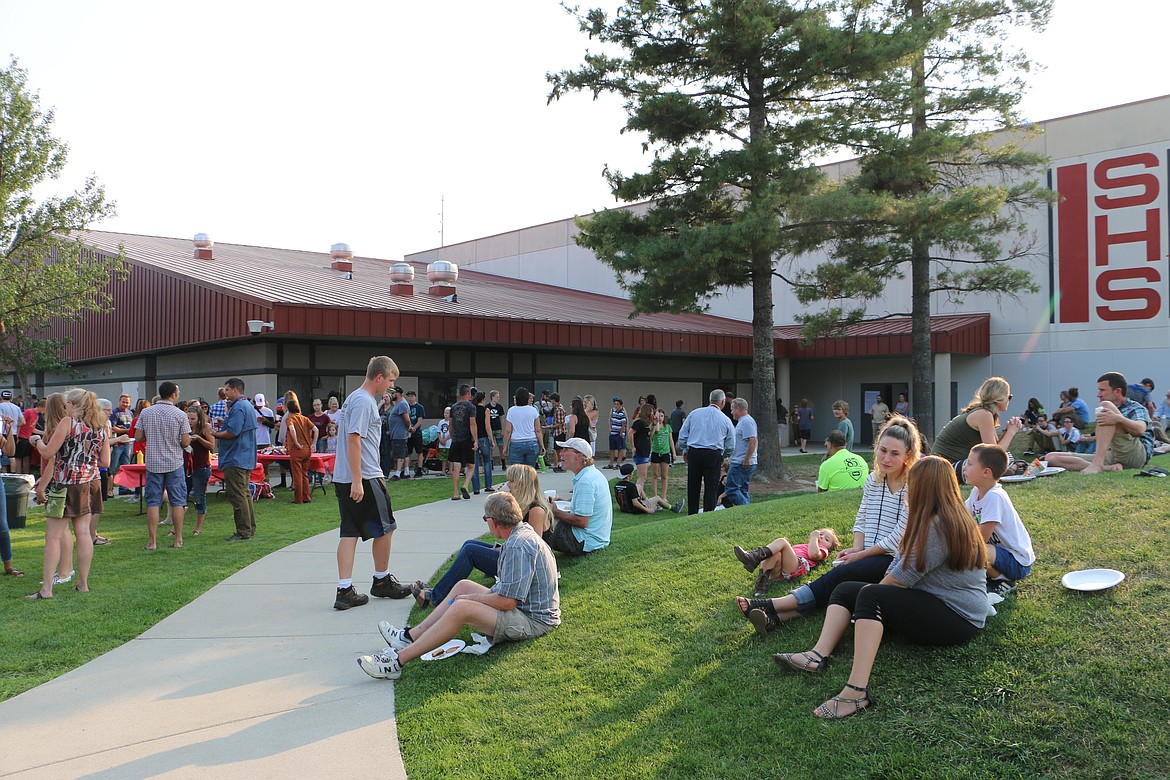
(578, 444)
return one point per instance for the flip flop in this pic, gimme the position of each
(100, 541)
(37, 596)
(1152, 472)
(13, 573)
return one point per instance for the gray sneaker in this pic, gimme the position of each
(394, 636)
(383, 666)
(348, 597)
(680, 506)
(1002, 588)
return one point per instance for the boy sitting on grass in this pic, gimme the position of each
(631, 501)
(1009, 547)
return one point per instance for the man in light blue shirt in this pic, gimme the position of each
(705, 436)
(585, 527)
(743, 455)
(237, 457)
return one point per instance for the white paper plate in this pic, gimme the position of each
(1048, 472)
(1092, 579)
(446, 651)
(1017, 478)
(564, 505)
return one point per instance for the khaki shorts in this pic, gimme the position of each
(516, 626)
(1125, 449)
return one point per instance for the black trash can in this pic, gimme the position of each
(16, 490)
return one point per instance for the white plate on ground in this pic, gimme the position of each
(446, 651)
(1048, 472)
(1017, 478)
(1092, 579)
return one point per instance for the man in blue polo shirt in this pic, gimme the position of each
(585, 527)
(237, 457)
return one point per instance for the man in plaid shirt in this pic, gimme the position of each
(167, 432)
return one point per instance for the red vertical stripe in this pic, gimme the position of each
(1072, 183)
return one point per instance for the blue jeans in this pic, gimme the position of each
(5, 537)
(119, 456)
(483, 459)
(524, 452)
(473, 555)
(197, 489)
(739, 480)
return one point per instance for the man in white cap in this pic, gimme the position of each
(585, 527)
(265, 422)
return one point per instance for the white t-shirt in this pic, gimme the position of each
(996, 507)
(523, 419)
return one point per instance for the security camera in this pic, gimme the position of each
(255, 326)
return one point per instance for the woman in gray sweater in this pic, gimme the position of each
(934, 592)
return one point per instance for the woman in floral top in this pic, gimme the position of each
(78, 445)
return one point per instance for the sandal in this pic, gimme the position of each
(422, 594)
(865, 702)
(765, 621)
(13, 573)
(747, 605)
(100, 541)
(787, 660)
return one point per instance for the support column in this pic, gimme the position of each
(942, 390)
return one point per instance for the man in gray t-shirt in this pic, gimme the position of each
(362, 499)
(398, 423)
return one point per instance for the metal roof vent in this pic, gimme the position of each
(342, 256)
(402, 279)
(442, 274)
(203, 244)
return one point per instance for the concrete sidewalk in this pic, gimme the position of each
(256, 678)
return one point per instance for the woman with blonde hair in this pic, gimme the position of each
(977, 424)
(524, 485)
(591, 412)
(78, 445)
(934, 594)
(877, 530)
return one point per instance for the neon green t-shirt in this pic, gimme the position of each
(843, 471)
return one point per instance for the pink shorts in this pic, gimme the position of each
(803, 567)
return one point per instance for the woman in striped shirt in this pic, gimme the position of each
(876, 532)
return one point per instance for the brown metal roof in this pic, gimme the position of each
(294, 277)
(964, 334)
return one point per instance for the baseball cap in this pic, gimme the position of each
(836, 438)
(618, 398)
(260, 399)
(6, 395)
(411, 392)
(578, 444)
(627, 469)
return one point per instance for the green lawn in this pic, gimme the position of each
(655, 674)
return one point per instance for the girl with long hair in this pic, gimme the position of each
(977, 424)
(524, 485)
(591, 412)
(877, 530)
(300, 441)
(199, 473)
(934, 594)
(578, 423)
(662, 452)
(78, 445)
(640, 438)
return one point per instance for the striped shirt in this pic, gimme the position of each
(527, 572)
(163, 424)
(617, 422)
(881, 519)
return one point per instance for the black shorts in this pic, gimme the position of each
(23, 449)
(398, 448)
(462, 452)
(370, 519)
(416, 443)
(660, 457)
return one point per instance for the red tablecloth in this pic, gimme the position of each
(318, 461)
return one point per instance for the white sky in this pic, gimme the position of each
(298, 124)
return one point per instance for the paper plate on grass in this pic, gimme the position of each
(1048, 472)
(1018, 478)
(1088, 580)
(454, 647)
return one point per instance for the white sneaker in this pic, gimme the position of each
(395, 637)
(383, 666)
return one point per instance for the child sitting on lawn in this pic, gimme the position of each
(783, 560)
(1009, 547)
(631, 501)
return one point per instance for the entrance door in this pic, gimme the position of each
(869, 396)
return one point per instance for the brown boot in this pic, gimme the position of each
(763, 583)
(751, 560)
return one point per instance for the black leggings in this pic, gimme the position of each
(914, 614)
(862, 571)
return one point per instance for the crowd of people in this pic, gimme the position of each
(921, 561)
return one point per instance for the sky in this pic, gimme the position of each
(300, 125)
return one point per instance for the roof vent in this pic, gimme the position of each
(442, 274)
(342, 256)
(203, 244)
(402, 279)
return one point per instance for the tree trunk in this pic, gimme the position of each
(921, 356)
(763, 410)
